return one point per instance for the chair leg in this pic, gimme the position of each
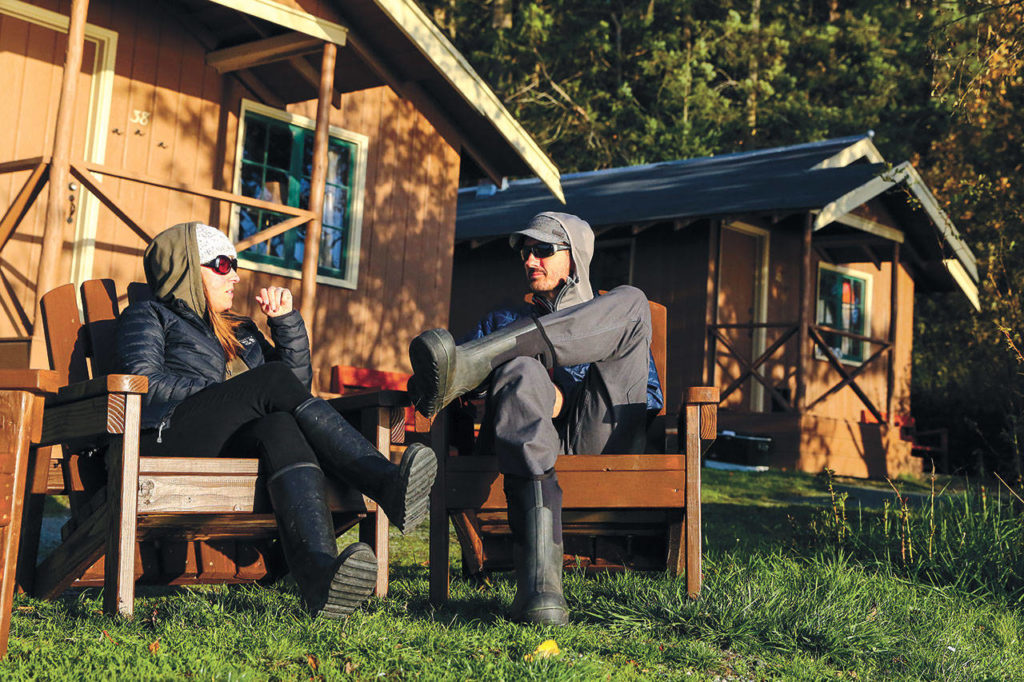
(374, 531)
(15, 408)
(122, 499)
(692, 536)
(439, 569)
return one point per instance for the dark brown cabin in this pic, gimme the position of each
(789, 276)
(328, 137)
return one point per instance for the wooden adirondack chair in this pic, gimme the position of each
(619, 511)
(163, 520)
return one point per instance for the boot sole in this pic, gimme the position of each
(432, 355)
(355, 577)
(416, 475)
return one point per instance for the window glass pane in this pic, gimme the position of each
(335, 205)
(337, 164)
(248, 221)
(276, 245)
(279, 147)
(841, 306)
(304, 193)
(307, 155)
(252, 180)
(255, 144)
(332, 248)
(275, 169)
(275, 187)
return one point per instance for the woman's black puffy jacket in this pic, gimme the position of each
(179, 353)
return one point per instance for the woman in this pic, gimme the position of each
(217, 388)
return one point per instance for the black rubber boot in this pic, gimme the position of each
(443, 371)
(535, 518)
(330, 584)
(403, 491)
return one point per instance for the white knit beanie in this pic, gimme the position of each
(212, 243)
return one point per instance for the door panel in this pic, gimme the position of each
(31, 68)
(740, 302)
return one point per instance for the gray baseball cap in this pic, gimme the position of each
(543, 228)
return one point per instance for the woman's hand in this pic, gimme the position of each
(275, 301)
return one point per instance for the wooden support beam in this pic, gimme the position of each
(270, 233)
(760, 361)
(87, 182)
(871, 255)
(711, 301)
(894, 302)
(60, 169)
(837, 365)
(317, 182)
(264, 51)
(23, 202)
(803, 314)
(189, 189)
(854, 373)
(22, 164)
(748, 371)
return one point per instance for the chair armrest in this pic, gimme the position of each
(87, 413)
(706, 398)
(111, 383)
(370, 398)
(32, 380)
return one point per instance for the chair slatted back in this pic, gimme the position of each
(65, 334)
(99, 305)
(659, 344)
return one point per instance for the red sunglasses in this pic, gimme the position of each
(222, 265)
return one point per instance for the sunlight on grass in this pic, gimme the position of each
(779, 603)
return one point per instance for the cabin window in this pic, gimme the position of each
(842, 304)
(275, 164)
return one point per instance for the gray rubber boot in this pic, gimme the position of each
(402, 491)
(330, 584)
(443, 371)
(535, 518)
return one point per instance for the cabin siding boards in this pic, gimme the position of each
(177, 120)
(671, 266)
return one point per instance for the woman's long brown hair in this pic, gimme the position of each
(224, 326)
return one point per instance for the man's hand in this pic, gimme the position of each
(275, 301)
(559, 402)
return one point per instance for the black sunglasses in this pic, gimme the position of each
(542, 250)
(222, 265)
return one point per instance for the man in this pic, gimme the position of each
(570, 373)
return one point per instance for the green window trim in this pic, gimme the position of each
(842, 303)
(274, 164)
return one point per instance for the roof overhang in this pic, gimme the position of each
(962, 267)
(385, 42)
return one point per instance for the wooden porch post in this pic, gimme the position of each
(893, 318)
(803, 314)
(60, 174)
(317, 182)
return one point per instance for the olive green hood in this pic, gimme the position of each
(172, 266)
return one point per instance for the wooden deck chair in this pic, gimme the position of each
(158, 520)
(619, 511)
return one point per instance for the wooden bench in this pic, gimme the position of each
(619, 511)
(160, 520)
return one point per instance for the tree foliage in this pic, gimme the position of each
(603, 83)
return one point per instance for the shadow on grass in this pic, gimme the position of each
(745, 530)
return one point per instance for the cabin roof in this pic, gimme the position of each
(390, 42)
(829, 178)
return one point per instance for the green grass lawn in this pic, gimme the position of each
(779, 602)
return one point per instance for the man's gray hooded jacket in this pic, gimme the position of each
(577, 289)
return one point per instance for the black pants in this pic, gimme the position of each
(249, 415)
